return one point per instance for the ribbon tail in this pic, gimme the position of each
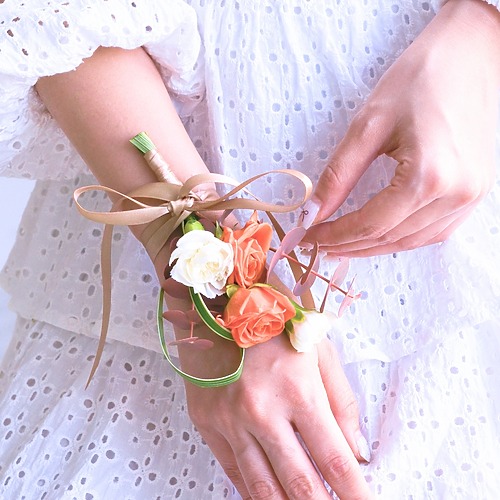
(156, 235)
(106, 296)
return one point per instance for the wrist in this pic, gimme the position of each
(464, 36)
(220, 359)
(477, 21)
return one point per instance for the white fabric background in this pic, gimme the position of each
(13, 196)
(424, 315)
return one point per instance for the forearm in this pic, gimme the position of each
(107, 100)
(479, 18)
(100, 106)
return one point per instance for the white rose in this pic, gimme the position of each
(310, 330)
(203, 262)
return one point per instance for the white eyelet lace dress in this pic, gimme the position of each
(259, 85)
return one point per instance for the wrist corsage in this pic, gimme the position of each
(217, 261)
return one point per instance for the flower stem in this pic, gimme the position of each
(304, 266)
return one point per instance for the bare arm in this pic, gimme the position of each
(100, 112)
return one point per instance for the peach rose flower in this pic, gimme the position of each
(250, 246)
(255, 315)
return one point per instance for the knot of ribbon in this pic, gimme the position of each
(176, 207)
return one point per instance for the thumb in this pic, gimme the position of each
(342, 400)
(362, 143)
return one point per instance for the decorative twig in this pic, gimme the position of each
(305, 266)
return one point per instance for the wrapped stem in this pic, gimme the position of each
(154, 159)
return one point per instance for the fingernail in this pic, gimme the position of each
(363, 447)
(309, 212)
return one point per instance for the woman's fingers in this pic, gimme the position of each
(325, 440)
(261, 434)
(419, 204)
(377, 217)
(275, 462)
(411, 236)
(364, 139)
(333, 456)
(227, 460)
(342, 400)
(251, 425)
(275, 466)
(448, 230)
(310, 411)
(417, 196)
(259, 451)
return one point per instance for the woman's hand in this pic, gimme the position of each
(251, 425)
(435, 113)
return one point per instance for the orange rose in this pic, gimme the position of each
(256, 314)
(250, 246)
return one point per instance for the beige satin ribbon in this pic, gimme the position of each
(164, 205)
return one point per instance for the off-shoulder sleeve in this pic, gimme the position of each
(46, 37)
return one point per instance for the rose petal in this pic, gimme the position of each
(254, 315)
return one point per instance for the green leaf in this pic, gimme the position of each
(191, 223)
(231, 290)
(207, 317)
(218, 230)
(299, 316)
(289, 327)
(143, 143)
(200, 382)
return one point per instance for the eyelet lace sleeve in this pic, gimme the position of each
(46, 37)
